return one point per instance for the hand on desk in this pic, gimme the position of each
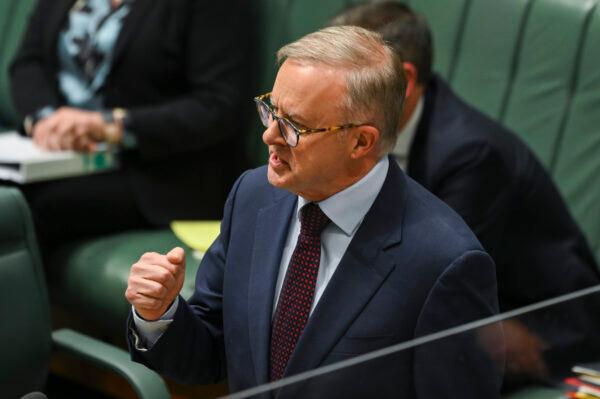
(155, 281)
(70, 129)
(524, 351)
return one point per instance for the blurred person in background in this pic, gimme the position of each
(492, 179)
(160, 80)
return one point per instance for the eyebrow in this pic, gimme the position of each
(295, 119)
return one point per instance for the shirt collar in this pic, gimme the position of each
(407, 133)
(348, 207)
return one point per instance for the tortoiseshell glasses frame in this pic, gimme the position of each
(288, 130)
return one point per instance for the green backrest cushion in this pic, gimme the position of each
(25, 341)
(13, 20)
(89, 278)
(541, 88)
(446, 19)
(577, 168)
(309, 15)
(512, 59)
(483, 71)
(533, 65)
(5, 16)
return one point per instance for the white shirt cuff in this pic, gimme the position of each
(146, 333)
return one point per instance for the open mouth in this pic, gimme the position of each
(275, 161)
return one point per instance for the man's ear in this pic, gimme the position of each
(412, 75)
(366, 141)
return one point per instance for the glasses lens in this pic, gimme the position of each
(288, 132)
(263, 113)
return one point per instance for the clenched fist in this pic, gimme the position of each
(155, 281)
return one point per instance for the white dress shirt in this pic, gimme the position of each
(406, 136)
(346, 210)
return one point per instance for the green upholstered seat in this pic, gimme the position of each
(89, 278)
(26, 338)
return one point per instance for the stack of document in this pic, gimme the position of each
(22, 162)
(586, 384)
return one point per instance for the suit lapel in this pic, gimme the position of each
(271, 232)
(363, 268)
(131, 26)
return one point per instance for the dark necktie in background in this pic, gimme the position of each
(298, 291)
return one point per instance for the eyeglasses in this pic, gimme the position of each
(290, 132)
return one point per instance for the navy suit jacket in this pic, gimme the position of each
(413, 268)
(497, 185)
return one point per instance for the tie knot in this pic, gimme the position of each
(312, 220)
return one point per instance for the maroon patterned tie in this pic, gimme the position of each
(298, 289)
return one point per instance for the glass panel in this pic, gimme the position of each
(525, 353)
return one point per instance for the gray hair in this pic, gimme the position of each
(375, 78)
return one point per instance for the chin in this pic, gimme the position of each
(279, 180)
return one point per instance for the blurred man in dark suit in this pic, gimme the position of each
(490, 177)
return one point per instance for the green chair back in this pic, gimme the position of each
(25, 340)
(14, 15)
(577, 162)
(532, 65)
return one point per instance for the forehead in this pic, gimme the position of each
(309, 89)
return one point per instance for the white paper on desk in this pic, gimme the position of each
(21, 161)
(15, 148)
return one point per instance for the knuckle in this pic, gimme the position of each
(132, 280)
(130, 295)
(136, 267)
(154, 291)
(164, 275)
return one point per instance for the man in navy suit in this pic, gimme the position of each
(490, 177)
(327, 253)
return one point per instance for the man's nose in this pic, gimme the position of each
(272, 136)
